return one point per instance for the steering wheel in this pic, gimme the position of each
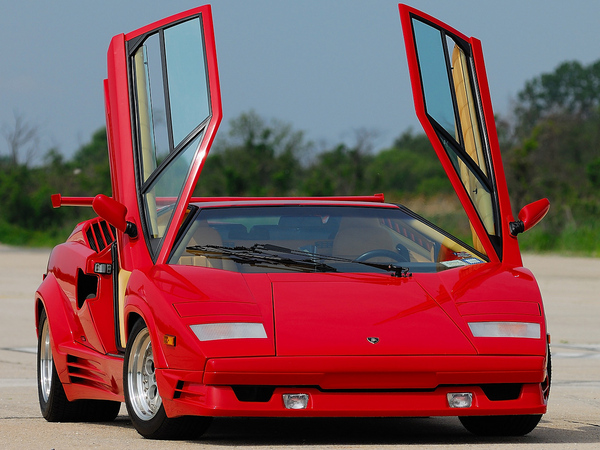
(382, 253)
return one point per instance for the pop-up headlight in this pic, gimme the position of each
(505, 329)
(218, 331)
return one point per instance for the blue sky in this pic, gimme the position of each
(329, 67)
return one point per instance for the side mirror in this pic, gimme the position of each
(530, 216)
(114, 213)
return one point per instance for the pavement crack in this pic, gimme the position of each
(584, 423)
(20, 418)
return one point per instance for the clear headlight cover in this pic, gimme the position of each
(505, 329)
(219, 331)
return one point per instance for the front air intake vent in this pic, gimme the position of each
(260, 394)
(99, 234)
(502, 391)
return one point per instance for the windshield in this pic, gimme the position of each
(318, 238)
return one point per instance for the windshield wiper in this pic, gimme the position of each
(397, 271)
(258, 255)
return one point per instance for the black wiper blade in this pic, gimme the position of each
(259, 254)
(256, 256)
(397, 271)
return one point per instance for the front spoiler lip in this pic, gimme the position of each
(375, 372)
(355, 386)
(221, 401)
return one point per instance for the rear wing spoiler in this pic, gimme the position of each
(58, 200)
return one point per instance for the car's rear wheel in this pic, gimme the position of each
(54, 404)
(142, 398)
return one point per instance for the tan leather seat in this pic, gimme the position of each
(357, 236)
(206, 235)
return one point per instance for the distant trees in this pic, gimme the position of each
(19, 191)
(342, 170)
(572, 90)
(26, 213)
(22, 141)
(255, 158)
(550, 143)
(259, 158)
(552, 147)
(410, 167)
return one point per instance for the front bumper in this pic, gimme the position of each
(355, 386)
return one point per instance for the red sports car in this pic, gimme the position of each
(190, 308)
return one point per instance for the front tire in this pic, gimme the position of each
(500, 425)
(142, 398)
(54, 404)
(509, 425)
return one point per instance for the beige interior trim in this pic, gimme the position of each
(146, 132)
(123, 281)
(473, 145)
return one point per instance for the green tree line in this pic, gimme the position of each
(551, 148)
(550, 142)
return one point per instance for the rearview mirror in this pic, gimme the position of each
(114, 213)
(530, 216)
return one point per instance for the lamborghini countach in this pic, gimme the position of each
(187, 308)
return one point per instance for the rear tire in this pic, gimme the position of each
(54, 404)
(500, 425)
(142, 398)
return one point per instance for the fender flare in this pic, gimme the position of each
(62, 325)
(136, 305)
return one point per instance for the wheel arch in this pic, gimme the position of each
(62, 327)
(137, 309)
(39, 307)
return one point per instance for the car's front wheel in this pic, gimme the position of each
(509, 425)
(518, 425)
(54, 404)
(142, 398)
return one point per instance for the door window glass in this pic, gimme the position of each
(450, 101)
(188, 91)
(161, 195)
(434, 76)
(171, 109)
(152, 124)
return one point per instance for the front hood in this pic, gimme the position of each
(199, 295)
(337, 314)
(493, 292)
(360, 314)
